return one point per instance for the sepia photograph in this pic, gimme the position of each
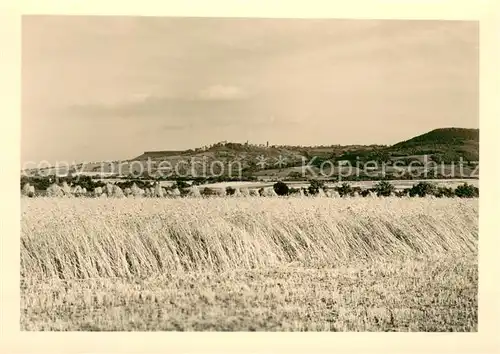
(249, 174)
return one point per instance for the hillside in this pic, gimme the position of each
(448, 136)
(445, 144)
(263, 162)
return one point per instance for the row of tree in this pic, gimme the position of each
(384, 189)
(89, 187)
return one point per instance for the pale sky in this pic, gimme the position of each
(109, 88)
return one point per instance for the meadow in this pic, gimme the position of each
(249, 264)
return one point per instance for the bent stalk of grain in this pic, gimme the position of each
(315, 264)
(122, 237)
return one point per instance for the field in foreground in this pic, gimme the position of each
(249, 264)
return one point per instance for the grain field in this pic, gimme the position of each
(249, 264)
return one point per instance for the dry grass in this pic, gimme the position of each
(249, 264)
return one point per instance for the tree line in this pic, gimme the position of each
(86, 186)
(382, 189)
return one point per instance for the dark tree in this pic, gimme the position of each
(422, 189)
(345, 190)
(207, 192)
(467, 191)
(315, 186)
(445, 192)
(281, 188)
(181, 184)
(364, 193)
(384, 189)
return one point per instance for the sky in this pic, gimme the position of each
(108, 88)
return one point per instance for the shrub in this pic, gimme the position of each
(315, 186)
(446, 192)
(364, 193)
(208, 192)
(281, 188)
(422, 189)
(181, 184)
(345, 190)
(24, 180)
(384, 189)
(230, 190)
(467, 191)
(311, 190)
